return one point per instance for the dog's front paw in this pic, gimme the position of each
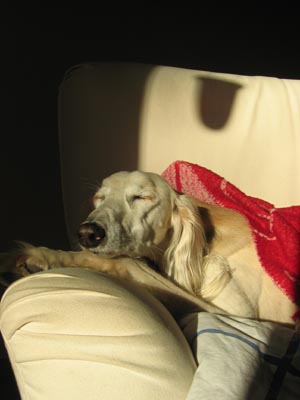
(21, 261)
(26, 265)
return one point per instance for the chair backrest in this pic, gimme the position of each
(133, 116)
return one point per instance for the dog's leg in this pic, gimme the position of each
(29, 259)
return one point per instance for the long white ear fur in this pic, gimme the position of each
(186, 260)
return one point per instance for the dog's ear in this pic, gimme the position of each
(187, 260)
(184, 257)
(207, 224)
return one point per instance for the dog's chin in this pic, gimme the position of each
(98, 251)
(106, 254)
(113, 251)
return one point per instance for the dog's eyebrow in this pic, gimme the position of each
(142, 185)
(103, 188)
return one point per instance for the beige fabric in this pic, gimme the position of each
(126, 116)
(75, 334)
(245, 128)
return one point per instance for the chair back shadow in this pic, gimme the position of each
(216, 100)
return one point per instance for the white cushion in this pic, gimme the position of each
(76, 334)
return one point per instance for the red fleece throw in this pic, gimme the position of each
(276, 231)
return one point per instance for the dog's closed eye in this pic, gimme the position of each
(142, 197)
(97, 199)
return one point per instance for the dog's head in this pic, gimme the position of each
(132, 216)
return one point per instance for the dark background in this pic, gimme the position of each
(39, 45)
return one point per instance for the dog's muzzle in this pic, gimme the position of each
(90, 234)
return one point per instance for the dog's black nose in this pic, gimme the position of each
(90, 234)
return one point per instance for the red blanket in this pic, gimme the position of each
(276, 231)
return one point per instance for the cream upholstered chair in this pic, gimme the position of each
(73, 334)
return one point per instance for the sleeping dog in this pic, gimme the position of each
(188, 253)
